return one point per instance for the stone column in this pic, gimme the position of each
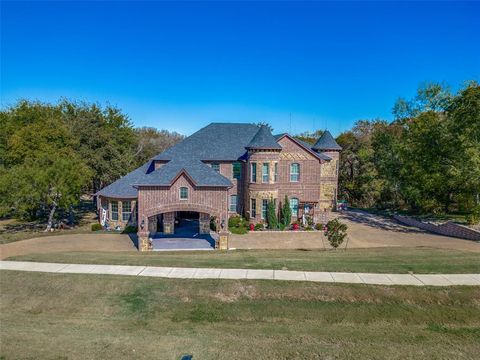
(204, 223)
(143, 236)
(222, 242)
(169, 223)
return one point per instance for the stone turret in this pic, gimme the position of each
(327, 145)
(262, 182)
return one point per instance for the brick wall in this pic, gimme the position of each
(448, 229)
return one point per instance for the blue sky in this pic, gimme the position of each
(179, 66)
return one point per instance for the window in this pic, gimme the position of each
(294, 206)
(233, 203)
(126, 210)
(114, 210)
(294, 172)
(275, 172)
(216, 167)
(265, 172)
(183, 193)
(254, 172)
(253, 208)
(237, 170)
(336, 167)
(264, 208)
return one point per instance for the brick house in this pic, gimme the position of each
(222, 170)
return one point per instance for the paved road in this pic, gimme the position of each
(214, 273)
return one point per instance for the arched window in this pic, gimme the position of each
(183, 193)
(294, 172)
(294, 206)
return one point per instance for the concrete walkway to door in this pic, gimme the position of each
(214, 273)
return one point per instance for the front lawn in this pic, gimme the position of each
(381, 260)
(66, 316)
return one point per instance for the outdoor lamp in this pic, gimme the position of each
(142, 225)
(222, 224)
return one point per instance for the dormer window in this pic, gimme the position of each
(216, 167)
(183, 193)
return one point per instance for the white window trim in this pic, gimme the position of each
(297, 174)
(291, 207)
(230, 203)
(127, 212)
(267, 174)
(264, 216)
(180, 193)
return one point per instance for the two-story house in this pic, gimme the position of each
(222, 170)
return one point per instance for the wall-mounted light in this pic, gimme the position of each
(142, 225)
(222, 224)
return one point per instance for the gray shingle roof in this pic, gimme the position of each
(263, 139)
(326, 142)
(200, 173)
(217, 141)
(123, 187)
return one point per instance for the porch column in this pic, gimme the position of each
(143, 236)
(204, 223)
(169, 223)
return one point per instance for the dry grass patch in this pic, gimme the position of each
(102, 317)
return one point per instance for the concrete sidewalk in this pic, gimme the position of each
(213, 273)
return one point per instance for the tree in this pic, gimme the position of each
(309, 137)
(336, 233)
(286, 212)
(264, 123)
(43, 185)
(105, 139)
(272, 220)
(151, 142)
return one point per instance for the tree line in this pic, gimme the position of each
(51, 154)
(427, 160)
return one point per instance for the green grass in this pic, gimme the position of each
(65, 316)
(381, 260)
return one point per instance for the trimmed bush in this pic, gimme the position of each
(97, 227)
(258, 227)
(336, 233)
(130, 229)
(237, 225)
(319, 226)
(309, 228)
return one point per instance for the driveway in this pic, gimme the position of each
(364, 231)
(67, 243)
(186, 237)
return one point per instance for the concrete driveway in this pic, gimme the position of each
(364, 231)
(69, 242)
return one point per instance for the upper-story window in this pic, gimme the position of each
(233, 203)
(294, 206)
(294, 172)
(216, 167)
(236, 170)
(265, 171)
(126, 210)
(275, 172)
(183, 193)
(114, 210)
(253, 177)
